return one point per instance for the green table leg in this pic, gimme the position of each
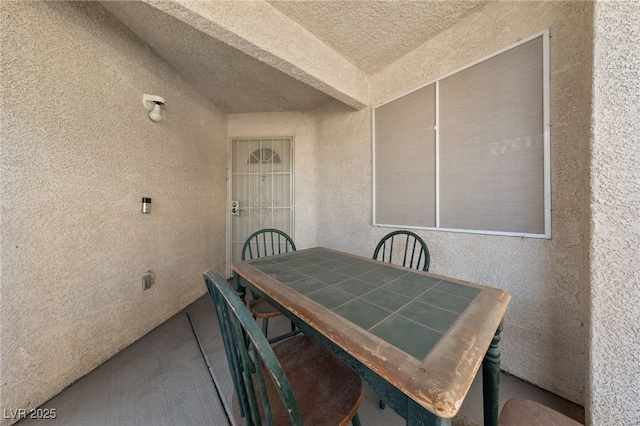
(418, 416)
(491, 381)
(240, 290)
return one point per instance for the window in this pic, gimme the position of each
(470, 151)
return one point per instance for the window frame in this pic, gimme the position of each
(546, 123)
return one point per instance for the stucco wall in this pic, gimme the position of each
(78, 153)
(302, 126)
(543, 341)
(614, 391)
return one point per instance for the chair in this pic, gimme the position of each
(410, 250)
(267, 242)
(295, 382)
(524, 412)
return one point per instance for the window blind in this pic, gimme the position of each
(405, 160)
(488, 151)
(491, 144)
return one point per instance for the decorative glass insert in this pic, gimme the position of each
(264, 156)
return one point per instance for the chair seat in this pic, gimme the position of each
(260, 308)
(267, 242)
(328, 392)
(524, 412)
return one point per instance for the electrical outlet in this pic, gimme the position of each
(147, 280)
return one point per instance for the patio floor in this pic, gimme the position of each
(178, 375)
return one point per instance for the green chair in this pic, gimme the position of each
(403, 248)
(295, 382)
(267, 242)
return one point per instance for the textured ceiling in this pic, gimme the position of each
(373, 34)
(232, 80)
(369, 34)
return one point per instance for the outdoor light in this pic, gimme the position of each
(153, 103)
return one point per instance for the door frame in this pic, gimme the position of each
(229, 242)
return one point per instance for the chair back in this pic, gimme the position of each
(403, 248)
(247, 350)
(267, 242)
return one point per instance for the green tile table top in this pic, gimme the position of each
(409, 326)
(395, 304)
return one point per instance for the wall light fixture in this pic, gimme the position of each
(153, 103)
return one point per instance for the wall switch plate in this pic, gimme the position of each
(147, 280)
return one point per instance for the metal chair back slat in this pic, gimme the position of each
(245, 360)
(261, 241)
(413, 250)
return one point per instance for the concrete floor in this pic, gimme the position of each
(178, 375)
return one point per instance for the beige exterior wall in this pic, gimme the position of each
(78, 153)
(614, 363)
(544, 337)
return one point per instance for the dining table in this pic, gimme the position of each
(418, 339)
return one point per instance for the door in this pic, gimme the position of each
(261, 189)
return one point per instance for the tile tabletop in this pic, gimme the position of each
(424, 333)
(393, 304)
